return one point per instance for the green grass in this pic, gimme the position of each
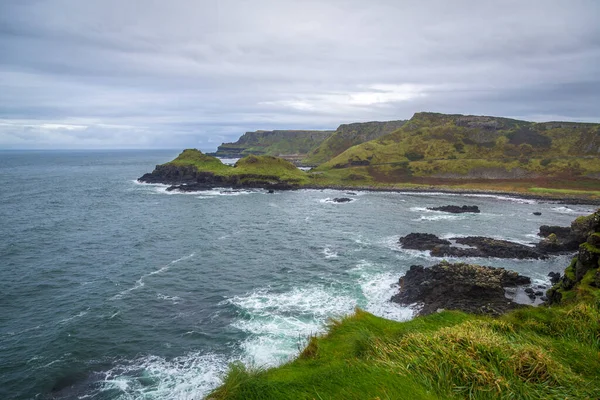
(531, 353)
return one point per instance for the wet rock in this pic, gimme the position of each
(342, 200)
(537, 213)
(270, 191)
(471, 288)
(422, 241)
(456, 209)
(554, 277)
(529, 290)
(472, 246)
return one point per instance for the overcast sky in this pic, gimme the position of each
(194, 73)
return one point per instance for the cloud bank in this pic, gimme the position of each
(186, 73)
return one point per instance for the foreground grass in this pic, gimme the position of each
(531, 353)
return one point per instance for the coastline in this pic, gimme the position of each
(446, 190)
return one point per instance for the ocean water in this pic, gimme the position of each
(111, 289)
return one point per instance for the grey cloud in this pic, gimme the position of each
(188, 73)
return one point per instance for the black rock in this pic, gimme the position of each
(271, 191)
(539, 293)
(456, 209)
(529, 290)
(537, 213)
(470, 288)
(422, 241)
(478, 246)
(554, 277)
(342, 200)
(351, 194)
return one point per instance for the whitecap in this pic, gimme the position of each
(187, 377)
(329, 253)
(440, 217)
(140, 282)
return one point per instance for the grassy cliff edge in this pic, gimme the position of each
(546, 352)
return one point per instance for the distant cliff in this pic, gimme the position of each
(348, 135)
(274, 143)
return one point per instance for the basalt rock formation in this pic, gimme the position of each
(466, 287)
(456, 209)
(471, 246)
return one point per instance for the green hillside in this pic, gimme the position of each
(192, 166)
(349, 135)
(274, 143)
(458, 147)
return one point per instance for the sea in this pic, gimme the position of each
(112, 289)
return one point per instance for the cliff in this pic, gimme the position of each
(274, 143)
(348, 135)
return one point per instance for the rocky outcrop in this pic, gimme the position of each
(342, 200)
(581, 279)
(470, 288)
(471, 246)
(456, 209)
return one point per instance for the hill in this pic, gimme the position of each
(348, 135)
(193, 170)
(274, 143)
(436, 149)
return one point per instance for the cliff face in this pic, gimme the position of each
(478, 147)
(274, 143)
(349, 135)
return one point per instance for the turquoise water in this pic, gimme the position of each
(115, 290)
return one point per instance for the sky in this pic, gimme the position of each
(104, 74)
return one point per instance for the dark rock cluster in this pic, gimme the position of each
(456, 209)
(471, 246)
(470, 288)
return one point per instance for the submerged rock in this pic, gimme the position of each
(342, 200)
(456, 209)
(537, 213)
(471, 246)
(466, 287)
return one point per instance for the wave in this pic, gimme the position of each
(187, 377)
(440, 217)
(278, 322)
(482, 195)
(140, 282)
(329, 253)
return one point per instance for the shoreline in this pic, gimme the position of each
(446, 190)
(442, 190)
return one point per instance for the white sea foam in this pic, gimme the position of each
(440, 217)
(329, 253)
(493, 196)
(277, 321)
(378, 288)
(79, 315)
(173, 299)
(140, 282)
(183, 378)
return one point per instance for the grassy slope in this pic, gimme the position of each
(258, 166)
(349, 135)
(437, 146)
(533, 353)
(530, 353)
